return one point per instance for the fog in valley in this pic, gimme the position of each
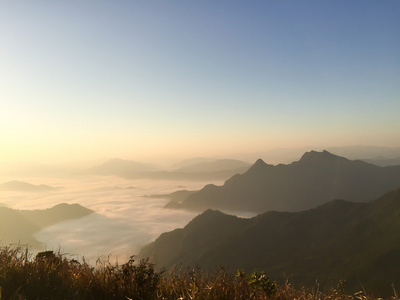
(128, 208)
(123, 220)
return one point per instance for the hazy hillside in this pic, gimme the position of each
(215, 166)
(58, 213)
(17, 226)
(120, 167)
(191, 161)
(215, 169)
(365, 152)
(356, 242)
(316, 178)
(20, 186)
(175, 197)
(383, 162)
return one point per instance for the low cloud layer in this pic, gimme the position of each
(123, 221)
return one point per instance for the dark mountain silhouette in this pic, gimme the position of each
(340, 240)
(18, 226)
(316, 178)
(20, 186)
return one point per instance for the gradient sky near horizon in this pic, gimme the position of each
(141, 80)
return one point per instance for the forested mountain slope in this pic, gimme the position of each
(340, 240)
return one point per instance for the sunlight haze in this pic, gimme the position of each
(155, 80)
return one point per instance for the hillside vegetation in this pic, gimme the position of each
(54, 276)
(356, 242)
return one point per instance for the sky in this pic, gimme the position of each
(152, 80)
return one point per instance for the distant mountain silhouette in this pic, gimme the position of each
(365, 152)
(175, 197)
(120, 167)
(216, 166)
(191, 161)
(56, 214)
(288, 155)
(18, 226)
(340, 240)
(219, 169)
(383, 162)
(20, 186)
(316, 178)
(14, 228)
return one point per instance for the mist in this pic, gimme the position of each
(125, 217)
(123, 220)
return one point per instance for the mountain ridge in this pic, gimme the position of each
(18, 226)
(338, 240)
(214, 169)
(215, 165)
(120, 167)
(316, 178)
(21, 186)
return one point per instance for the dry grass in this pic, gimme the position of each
(53, 276)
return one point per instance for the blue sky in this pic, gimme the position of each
(149, 79)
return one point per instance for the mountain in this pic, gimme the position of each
(365, 152)
(20, 186)
(383, 162)
(120, 167)
(56, 214)
(175, 197)
(14, 228)
(288, 155)
(191, 161)
(18, 226)
(219, 169)
(216, 166)
(339, 240)
(316, 178)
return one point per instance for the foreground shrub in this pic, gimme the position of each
(53, 276)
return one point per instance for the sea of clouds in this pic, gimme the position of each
(123, 222)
